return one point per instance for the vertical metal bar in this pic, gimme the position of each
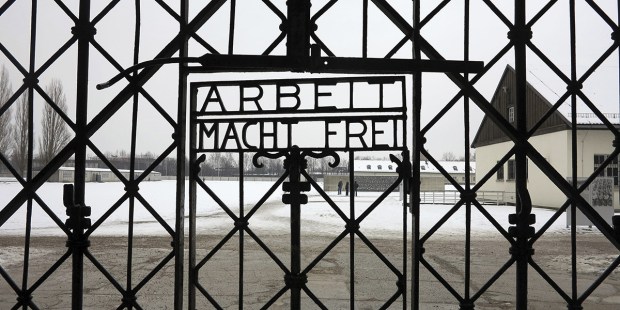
(403, 281)
(180, 137)
(294, 178)
(467, 304)
(129, 297)
(298, 30)
(192, 277)
(417, 144)
(231, 28)
(573, 60)
(405, 184)
(352, 235)
(29, 167)
(241, 231)
(83, 29)
(365, 29)
(523, 209)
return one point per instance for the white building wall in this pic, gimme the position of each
(556, 148)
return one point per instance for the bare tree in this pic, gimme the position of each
(5, 118)
(20, 135)
(54, 131)
(449, 156)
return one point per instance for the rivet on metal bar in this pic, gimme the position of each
(295, 281)
(30, 80)
(616, 142)
(520, 35)
(87, 31)
(241, 223)
(132, 187)
(422, 140)
(466, 305)
(283, 26)
(574, 87)
(24, 299)
(615, 36)
(352, 226)
(129, 299)
(469, 196)
(575, 307)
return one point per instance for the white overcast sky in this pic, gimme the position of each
(340, 28)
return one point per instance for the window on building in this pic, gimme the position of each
(511, 114)
(511, 170)
(379, 167)
(389, 167)
(368, 167)
(500, 173)
(455, 168)
(611, 170)
(423, 167)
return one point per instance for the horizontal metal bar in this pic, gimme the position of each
(320, 113)
(284, 149)
(381, 79)
(345, 65)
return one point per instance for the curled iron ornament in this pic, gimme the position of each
(323, 154)
(259, 154)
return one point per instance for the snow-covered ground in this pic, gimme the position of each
(317, 216)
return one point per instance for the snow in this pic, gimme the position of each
(318, 217)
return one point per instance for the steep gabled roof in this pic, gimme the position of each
(537, 107)
(504, 99)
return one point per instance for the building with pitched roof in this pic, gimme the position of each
(552, 140)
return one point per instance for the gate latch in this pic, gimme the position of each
(77, 213)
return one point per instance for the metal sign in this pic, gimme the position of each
(352, 113)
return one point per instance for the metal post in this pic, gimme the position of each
(294, 163)
(520, 35)
(417, 145)
(179, 137)
(84, 31)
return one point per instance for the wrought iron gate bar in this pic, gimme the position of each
(608, 271)
(441, 280)
(316, 64)
(269, 192)
(325, 196)
(493, 221)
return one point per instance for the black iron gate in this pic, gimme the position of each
(301, 41)
(228, 126)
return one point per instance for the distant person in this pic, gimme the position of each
(339, 187)
(346, 189)
(355, 186)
